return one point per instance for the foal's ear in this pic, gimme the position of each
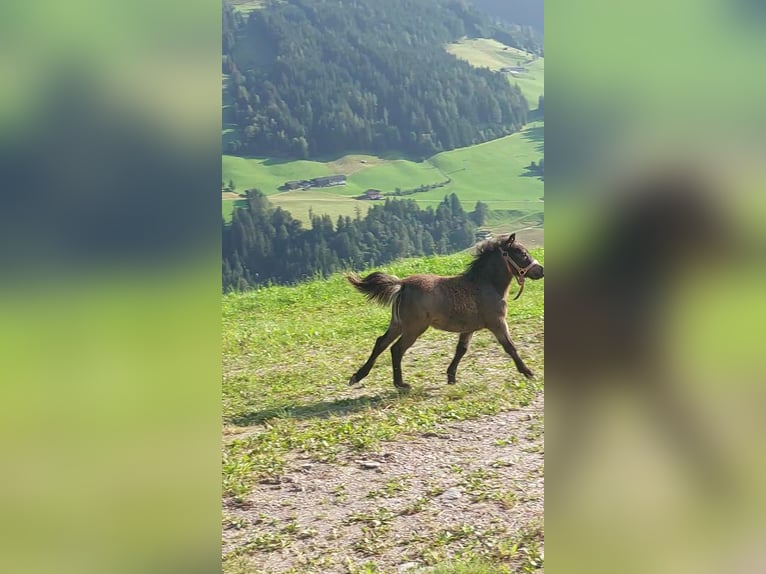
(512, 238)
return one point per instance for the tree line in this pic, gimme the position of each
(313, 78)
(263, 244)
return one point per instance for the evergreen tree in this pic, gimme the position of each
(480, 213)
(331, 82)
(263, 244)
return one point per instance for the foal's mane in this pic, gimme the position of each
(483, 251)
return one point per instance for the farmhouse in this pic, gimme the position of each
(372, 194)
(296, 184)
(483, 234)
(328, 180)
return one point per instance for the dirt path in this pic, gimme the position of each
(475, 488)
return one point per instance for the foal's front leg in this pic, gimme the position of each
(503, 337)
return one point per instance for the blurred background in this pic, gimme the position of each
(110, 297)
(110, 301)
(655, 281)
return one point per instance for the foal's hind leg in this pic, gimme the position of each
(503, 337)
(462, 347)
(381, 344)
(397, 352)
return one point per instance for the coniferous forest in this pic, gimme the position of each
(313, 78)
(267, 245)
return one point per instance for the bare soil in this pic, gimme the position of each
(472, 488)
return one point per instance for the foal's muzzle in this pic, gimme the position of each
(535, 272)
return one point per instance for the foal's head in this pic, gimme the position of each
(506, 251)
(518, 257)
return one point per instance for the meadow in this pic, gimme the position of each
(493, 172)
(488, 53)
(246, 6)
(316, 474)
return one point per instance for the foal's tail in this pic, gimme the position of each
(378, 286)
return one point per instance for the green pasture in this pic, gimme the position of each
(286, 350)
(287, 353)
(299, 203)
(487, 53)
(493, 172)
(228, 205)
(268, 174)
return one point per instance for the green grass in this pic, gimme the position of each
(471, 566)
(299, 203)
(268, 174)
(493, 172)
(487, 53)
(404, 174)
(228, 206)
(288, 353)
(379, 173)
(246, 6)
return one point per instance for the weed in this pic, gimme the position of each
(372, 542)
(417, 505)
(389, 489)
(476, 484)
(380, 519)
(512, 439)
(266, 542)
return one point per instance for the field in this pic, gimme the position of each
(487, 53)
(322, 477)
(298, 203)
(493, 172)
(245, 6)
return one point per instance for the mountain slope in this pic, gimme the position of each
(318, 77)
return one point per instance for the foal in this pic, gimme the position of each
(463, 304)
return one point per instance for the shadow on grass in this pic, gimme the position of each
(319, 410)
(536, 135)
(534, 173)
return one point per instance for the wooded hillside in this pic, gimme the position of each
(314, 78)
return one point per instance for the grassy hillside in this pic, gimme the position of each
(246, 6)
(298, 203)
(288, 348)
(493, 172)
(287, 356)
(487, 53)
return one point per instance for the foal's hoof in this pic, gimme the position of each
(352, 381)
(403, 388)
(451, 380)
(528, 374)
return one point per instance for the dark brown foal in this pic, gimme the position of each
(465, 303)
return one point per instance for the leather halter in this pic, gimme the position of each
(521, 272)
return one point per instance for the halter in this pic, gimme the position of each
(520, 271)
